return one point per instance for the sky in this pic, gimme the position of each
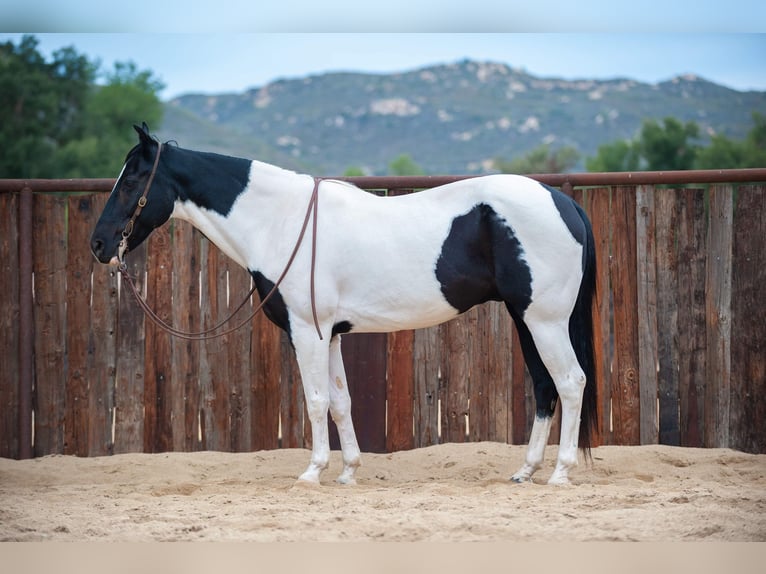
(245, 44)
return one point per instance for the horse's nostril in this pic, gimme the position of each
(97, 246)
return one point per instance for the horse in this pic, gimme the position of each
(383, 264)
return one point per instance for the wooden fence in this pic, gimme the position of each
(681, 346)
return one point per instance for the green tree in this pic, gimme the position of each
(404, 165)
(755, 143)
(621, 155)
(722, 153)
(668, 146)
(129, 97)
(55, 121)
(40, 106)
(542, 159)
(353, 171)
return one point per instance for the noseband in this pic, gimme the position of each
(208, 333)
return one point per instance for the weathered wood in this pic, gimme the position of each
(748, 330)
(129, 384)
(718, 306)
(453, 391)
(104, 358)
(9, 325)
(79, 267)
(364, 357)
(480, 348)
(625, 384)
(499, 372)
(49, 255)
(185, 396)
(521, 390)
(646, 283)
(427, 355)
(666, 210)
(400, 388)
(691, 316)
(214, 372)
(238, 351)
(266, 363)
(294, 435)
(597, 205)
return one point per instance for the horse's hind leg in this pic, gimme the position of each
(555, 349)
(340, 409)
(545, 399)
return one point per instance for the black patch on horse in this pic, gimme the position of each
(482, 260)
(275, 308)
(569, 213)
(341, 327)
(211, 180)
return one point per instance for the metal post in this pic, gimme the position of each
(26, 322)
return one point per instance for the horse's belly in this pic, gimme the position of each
(394, 313)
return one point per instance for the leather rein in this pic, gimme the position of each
(210, 333)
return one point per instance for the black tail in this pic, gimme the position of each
(581, 335)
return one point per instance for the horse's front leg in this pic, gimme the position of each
(340, 409)
(313, 362)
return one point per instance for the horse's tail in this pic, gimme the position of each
(581, 336)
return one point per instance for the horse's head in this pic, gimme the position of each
(142, 200)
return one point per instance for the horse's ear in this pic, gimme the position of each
(143, 133)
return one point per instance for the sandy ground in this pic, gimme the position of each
(451, 492)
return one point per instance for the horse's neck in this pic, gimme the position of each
(261, 213)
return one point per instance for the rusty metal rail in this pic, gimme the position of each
(426, 181)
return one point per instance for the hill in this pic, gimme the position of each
(452, 118)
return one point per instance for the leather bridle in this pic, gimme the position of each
(209, 333)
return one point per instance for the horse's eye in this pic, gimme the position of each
(129, 183)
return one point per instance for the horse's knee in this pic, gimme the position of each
(317, 406)
(570, 389)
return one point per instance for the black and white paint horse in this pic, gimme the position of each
(385, 264)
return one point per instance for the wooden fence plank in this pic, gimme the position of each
(480, 348)
(499, 372)
(667, 207)
(748, 331)
(400, 388)
(159, 387)
(718, 305)
(455, 364)
(625, 384)
(185, 354)
(49, 255)
(214, 372)
(427, 352)
(9, 325)
(266, 363)
(103, 344)
(129, 384)
(79, 268)
(239, 384)
(646, 282)
(691, 316)
(104, 358)
(295, 434)
(521, 391)
(364, 358)
(597, 205)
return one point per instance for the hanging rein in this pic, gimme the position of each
(210, 333)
